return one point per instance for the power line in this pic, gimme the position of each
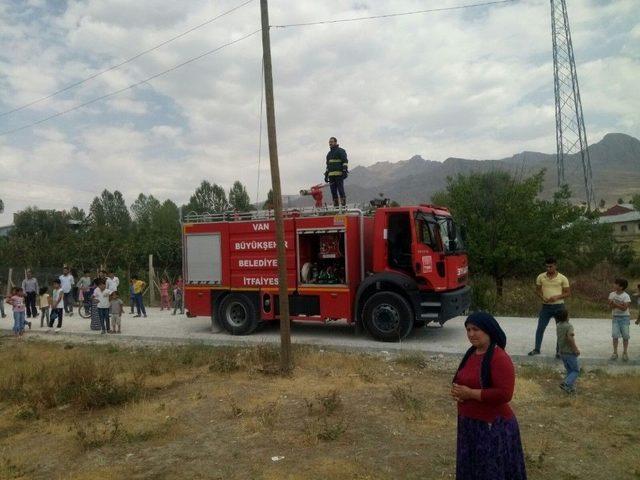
(390, 15)
(124, 62)
(130, 87)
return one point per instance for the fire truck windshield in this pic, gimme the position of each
(451, 235)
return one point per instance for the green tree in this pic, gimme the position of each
(239, 198)
(268, 204)
(77, 214)
(1, 206)
(110, 209)
(143, 209)
(109, 229)
(635, 201)
(39, 237)
(208, 198)
(510, 230)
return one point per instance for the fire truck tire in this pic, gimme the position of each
(237, 314)
(388, 316)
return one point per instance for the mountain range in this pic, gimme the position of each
(615, 163)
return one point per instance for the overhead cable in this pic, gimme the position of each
(390, 15)
(124, 62)
(129, 87)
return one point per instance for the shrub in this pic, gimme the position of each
(483, 293)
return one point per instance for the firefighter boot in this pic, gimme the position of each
(336, 202)
(343, 201)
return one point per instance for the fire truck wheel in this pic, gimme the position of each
(237, 314)
(388, 316)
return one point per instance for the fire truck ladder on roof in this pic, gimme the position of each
(231, 216)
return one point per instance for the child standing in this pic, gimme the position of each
(164, 294)
(568, 350)
(101, 294)
(17, 302)
(44, 303)
(619, 301)
(117, 309)
(178, 295)
(57, 302)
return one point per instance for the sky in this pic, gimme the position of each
(472, 83)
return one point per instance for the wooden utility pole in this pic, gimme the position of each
(286, 361)
(152, 277)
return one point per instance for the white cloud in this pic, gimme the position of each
(475, 83)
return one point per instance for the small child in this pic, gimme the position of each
(164, 295)
(177, 295)
(568, 350)
(116, 307)
(45, 304)
(57, 302)
(619, 301)
(16, 300)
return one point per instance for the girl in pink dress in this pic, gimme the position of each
(17, 302)
(164, 295)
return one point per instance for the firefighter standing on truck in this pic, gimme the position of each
(336, 172)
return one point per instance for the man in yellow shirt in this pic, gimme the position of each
(138, 290)
(552, 287)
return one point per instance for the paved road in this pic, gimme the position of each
(593, 335)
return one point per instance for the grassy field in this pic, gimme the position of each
(105, 412)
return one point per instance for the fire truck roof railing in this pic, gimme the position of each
(231, 216)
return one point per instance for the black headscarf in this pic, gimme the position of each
(489, 325)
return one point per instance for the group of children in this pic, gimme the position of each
(619, 301)
(110, 308)
(51, 308)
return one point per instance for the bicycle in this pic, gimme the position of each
(85, 308)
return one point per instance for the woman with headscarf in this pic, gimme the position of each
(489, 446)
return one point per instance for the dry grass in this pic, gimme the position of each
(200, 412)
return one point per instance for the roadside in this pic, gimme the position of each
(160, 327)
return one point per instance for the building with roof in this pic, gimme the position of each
(626, 228)
(618, 209)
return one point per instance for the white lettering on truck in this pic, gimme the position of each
(260, 227)
(259, 282)
(258, 263)
(258, 245)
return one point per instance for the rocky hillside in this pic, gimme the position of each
(615, 162)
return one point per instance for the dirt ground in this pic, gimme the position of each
(89, 412)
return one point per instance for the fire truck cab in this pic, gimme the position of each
(390, 270)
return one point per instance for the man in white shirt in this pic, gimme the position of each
(66, 284)
(112, 282)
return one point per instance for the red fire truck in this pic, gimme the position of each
(389, 270)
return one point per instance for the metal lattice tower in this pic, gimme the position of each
(571, 136)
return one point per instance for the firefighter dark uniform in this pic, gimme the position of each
(336, 172)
